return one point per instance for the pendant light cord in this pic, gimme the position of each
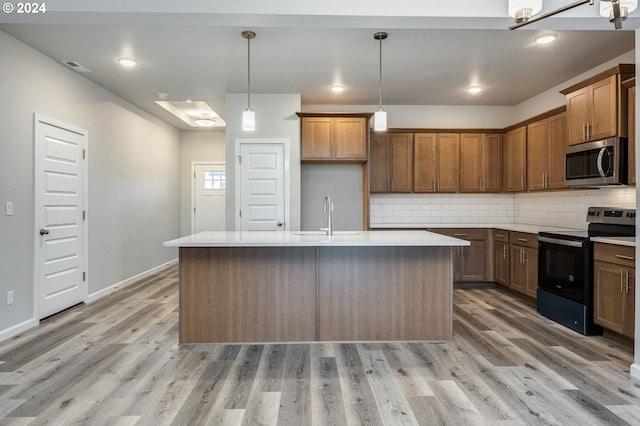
(249, 73)
(380, 79)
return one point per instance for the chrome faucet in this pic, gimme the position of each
(326, 207)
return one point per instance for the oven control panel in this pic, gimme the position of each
(611, 215)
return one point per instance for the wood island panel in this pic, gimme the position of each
(247, 294)
(384, 293)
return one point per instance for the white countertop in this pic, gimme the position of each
(295, 239)
(518, 227)
(621, 241)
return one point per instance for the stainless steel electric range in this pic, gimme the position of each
(565, 268)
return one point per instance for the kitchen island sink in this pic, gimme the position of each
(297, 287)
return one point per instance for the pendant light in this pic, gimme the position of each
(626, 7)
(248, 115)
(380, 117)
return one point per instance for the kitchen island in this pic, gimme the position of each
(301, 287)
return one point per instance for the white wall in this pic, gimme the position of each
(275, 119)
(196, 146)
(133, 201)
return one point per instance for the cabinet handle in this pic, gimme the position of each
(621, 256)
(626, 281)
(524, 240)
(505, 251)
(584, 130)
(522, 182)
(392, 187)
(438, 184)
(588, 130)
(525, 256)
(621, 281)
(459, 235)
(434, 186)
(500, 235)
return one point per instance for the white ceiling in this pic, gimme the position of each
(194, 50)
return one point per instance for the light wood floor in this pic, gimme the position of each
(117, 362)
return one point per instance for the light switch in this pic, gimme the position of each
(9, 208)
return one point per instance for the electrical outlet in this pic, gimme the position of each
(9, 208)
(10, 297)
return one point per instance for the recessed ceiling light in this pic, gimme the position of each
(545, 38)
(162, 95)
(206, 122)
(337, 88)
(127, 62)
(474, 89)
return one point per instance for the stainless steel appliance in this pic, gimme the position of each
(565, 268)
(600, 163)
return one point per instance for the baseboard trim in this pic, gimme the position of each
(635, 371)
(17, 329)
(107, 291)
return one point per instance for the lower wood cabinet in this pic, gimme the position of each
(470, 263)
(501, 257)
(523, 270)
(614, 281)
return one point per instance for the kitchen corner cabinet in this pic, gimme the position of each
(328, 138)
(515, 160)
(597, 107)
(631, 135)
(391, 162)
(480, 162)
(614, 287)
(523, 272)
(470, 263)
(436, 157)
(501, 257)
(546, 143)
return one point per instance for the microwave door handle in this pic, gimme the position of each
(599, 161)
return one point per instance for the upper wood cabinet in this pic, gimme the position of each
(480, 162)
(391, 162)
(546, 143)
(436, 157)
(333, 138)
(597, 107)
(631, 136)
(515, 160)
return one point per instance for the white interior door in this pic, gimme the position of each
(209, 189)
(60, 192)
(262, 186)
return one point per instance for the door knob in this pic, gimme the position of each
(44, 231)
(279, 223)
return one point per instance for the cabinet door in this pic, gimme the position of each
(538, 155)
(350, 138)
(518, 270)
(515, 160)
(577, 116)
(316, 138)
(628, 328)
(609, 296)
(557, 146)
(379, 164)
(531, 265)
(447, 155)
(632, 135)
(474, 261)
(424, 173)
(501, 263)
(471, 162)
(492, 163)
(603, 106)
(401, 161)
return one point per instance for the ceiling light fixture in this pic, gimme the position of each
(162, 95)
(248, 116)
(626, 7)
(337, 88)
(545, 38)
(127, 62)
(474, 89)
(523, 10)
(380, 117)
(205, 121)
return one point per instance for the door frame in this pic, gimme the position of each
(193, 187)
(285, 142)
(38, 186)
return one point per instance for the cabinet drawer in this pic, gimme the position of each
(501, 235)
(463, 233)
(524, 239)
(613, 253)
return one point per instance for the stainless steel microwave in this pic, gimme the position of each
(600, 163)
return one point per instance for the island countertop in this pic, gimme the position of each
(313, 239)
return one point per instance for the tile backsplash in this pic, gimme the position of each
(558, 208)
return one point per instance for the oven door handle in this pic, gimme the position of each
(560, 242)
